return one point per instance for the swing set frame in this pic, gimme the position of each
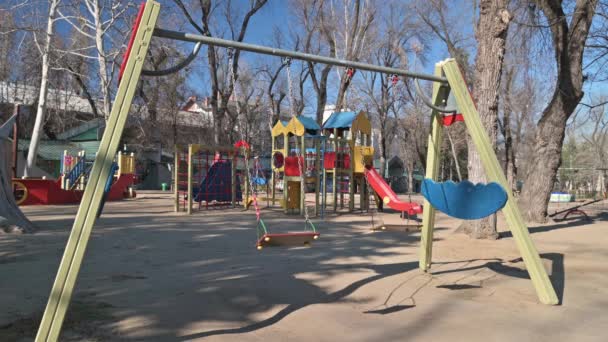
(447, 77)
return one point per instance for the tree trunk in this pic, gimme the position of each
(492, 32)
(101, 60)
(542, 171)
(510, 167)
(454, 155)
(410, 179)
(41, 108)
(569, 45)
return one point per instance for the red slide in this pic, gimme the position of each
(388, 195)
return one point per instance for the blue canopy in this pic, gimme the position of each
(309, 123)
(340, 120)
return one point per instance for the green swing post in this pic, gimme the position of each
(440, 95)
(61, 293)
(176, 152)
(302, 174)
(190, 172)
(540, 279)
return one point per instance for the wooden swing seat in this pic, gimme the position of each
(290, 239)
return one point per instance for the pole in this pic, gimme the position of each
(189, 37)
(16, 139)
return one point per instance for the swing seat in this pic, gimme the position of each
(290, 239)
(465, 200)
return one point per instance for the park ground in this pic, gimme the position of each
(153, 275)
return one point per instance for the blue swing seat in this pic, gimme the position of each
(465, 200)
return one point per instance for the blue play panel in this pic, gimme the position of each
(465, 200)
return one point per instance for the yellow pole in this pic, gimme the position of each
(440, 93)
(521, 235)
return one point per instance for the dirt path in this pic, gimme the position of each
(152, 275)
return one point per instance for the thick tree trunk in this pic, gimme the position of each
(492, 33)
(542, 171)
(569, 45)
(41, 109)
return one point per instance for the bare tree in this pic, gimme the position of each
(275, 93)
(568, 41)
(439, 17)
(42, 98)
(220, 94)
(317, 38)
(492, 28)
(351, 29)
(96, 20)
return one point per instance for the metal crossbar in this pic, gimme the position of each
(195, 38)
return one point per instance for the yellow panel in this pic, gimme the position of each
(295, 127)
(362, 124)
(364, 155)
(293, 195)
(278, 129)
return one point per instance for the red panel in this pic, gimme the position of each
(329, 160)
(49, 191)
(449, 120)
(292, 169)
(127, 54)
(120, 188)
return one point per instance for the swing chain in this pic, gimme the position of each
(243, 138)
(298, 150)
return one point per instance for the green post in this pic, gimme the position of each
(334, 189)
(272, 171)
(235, 159)
(351, 173)
(190, 171)
(440, 94)
(176, 178)
(521, 235)
(302, 175)
(61, 293)
(318, 174)
(247, 190)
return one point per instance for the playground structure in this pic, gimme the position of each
(447, 78)
(74, 171)
(287, 138)
(69, 187)
(337, 162)
(209, 176)
(349, 151)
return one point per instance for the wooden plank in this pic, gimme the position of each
(433, 156)
(61, 293)
(521, 235)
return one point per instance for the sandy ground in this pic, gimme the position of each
(153, 275)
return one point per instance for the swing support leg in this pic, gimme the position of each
(440, 94)
(521, 235)
(61, 293)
